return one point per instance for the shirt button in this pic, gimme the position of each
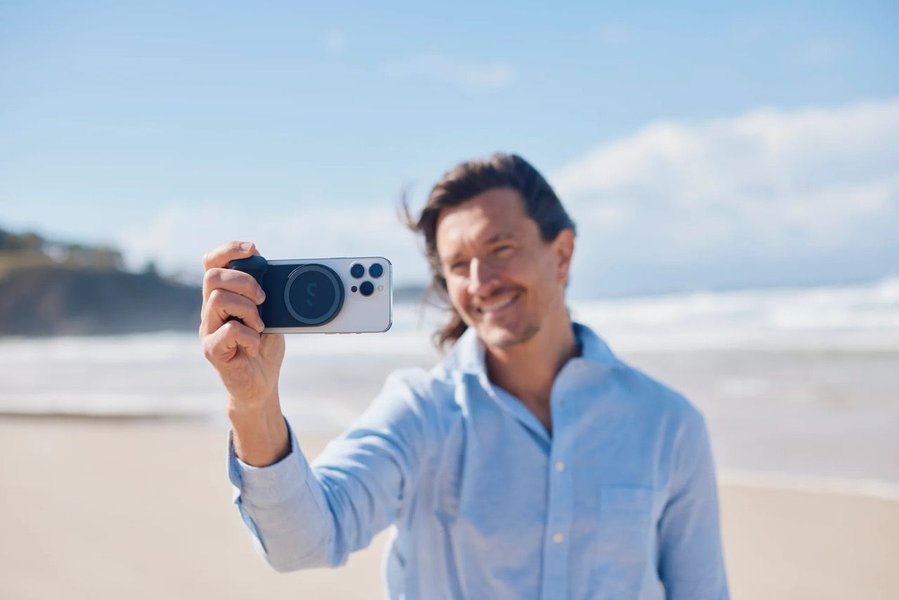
(558, 538)
(560, 466)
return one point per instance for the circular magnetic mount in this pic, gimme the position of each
(313, 294)
(367, 288)
(376, 270)
(357, 270)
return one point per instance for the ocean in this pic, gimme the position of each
(794, 383)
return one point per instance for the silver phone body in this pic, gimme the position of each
(358, 313)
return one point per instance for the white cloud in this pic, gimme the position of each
(771, 196)
(178, 236)
(440, 68)
(768, 187)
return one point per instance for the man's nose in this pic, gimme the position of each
(481, 277)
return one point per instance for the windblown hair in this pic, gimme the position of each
(464, 182)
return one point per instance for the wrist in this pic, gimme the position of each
(255, 407)
(260, 433)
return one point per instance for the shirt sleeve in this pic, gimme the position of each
(303, 515)
(691, 562)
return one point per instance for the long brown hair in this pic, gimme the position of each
(465, 181)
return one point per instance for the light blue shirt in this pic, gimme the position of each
(619, 502)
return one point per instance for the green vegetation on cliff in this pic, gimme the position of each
(54, 288)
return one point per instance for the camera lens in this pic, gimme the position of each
(367, 288)
(313, 294)
(376, 270)
(357, 270)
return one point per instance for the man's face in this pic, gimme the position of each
(502, 278)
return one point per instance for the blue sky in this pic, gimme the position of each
(698, 145)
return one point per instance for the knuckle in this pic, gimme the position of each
(211, 278)
(234, 328)
(217, 256)
(209, 350)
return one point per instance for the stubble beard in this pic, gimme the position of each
(503, 339)
(503, 336)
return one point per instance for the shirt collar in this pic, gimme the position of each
(468, 353)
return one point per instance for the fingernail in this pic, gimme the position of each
(246, 246)
(260, 296)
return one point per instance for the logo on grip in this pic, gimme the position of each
(313, 294)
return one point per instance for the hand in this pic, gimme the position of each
(248, 363)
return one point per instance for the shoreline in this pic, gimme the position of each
(842, 486)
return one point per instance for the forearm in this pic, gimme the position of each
(304, 518)
(260, 433)
(284, 509)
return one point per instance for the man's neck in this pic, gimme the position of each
(528, 370)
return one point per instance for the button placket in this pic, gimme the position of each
(558, 515)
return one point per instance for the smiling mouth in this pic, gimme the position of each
(494, 306)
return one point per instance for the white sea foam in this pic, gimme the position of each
(862, 317)
(798, 381)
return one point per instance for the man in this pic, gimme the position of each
(530, 463)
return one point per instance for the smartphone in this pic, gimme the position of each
(323, 295)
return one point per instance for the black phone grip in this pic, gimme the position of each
(255, 266)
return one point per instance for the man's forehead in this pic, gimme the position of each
(455, 242)
(494, 207)
(485, 221)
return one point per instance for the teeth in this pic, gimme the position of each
(495, 306)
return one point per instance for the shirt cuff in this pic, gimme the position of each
(271, 484)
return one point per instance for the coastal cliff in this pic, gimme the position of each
(53, 288)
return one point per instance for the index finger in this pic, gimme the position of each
(220, 256)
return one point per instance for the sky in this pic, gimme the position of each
(697, 145)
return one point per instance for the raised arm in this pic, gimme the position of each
(303, 516)
(248, 363)
(298, 515)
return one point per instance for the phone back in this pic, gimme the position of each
(328, 295)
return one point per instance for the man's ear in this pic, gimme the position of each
(563, 246)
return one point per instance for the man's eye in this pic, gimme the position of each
(503, 251)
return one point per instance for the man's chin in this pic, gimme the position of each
(502, 337)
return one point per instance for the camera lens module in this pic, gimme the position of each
(313, 294)
(367, 288)
(376, 270)
(357, 270)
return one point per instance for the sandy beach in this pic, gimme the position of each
(131, 508)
